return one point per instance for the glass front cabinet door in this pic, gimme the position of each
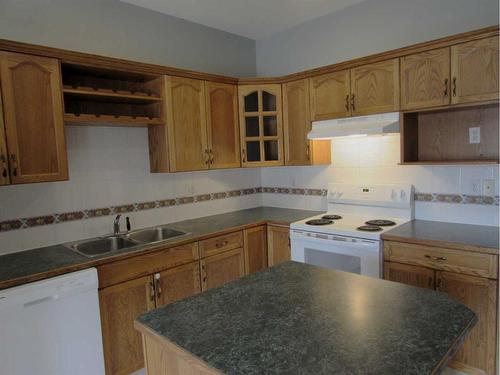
(260, 125)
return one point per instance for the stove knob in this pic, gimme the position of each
(402, 194)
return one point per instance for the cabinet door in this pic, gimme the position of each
(120, 305)
(255, 240)
(222, 268)
(330, 96)
(411, 275)
(278, 245)
(474, 70)
(375, 88)
(186, 121)
(4, 166)
(177, 283)
(425, 79)
(260, 125)
(33, 110)
(222, 125)
(480, 295)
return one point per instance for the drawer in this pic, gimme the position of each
(465, 262)
(146, 264)
(220, 244)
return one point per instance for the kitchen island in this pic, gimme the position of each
(296, 318)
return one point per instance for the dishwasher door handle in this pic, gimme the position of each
(41, 300)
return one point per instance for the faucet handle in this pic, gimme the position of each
(128, 224)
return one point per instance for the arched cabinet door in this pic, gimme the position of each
(33, 111)
(261, 131)
(474, 71)
(330, 95)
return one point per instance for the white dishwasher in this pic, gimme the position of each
(52, 327)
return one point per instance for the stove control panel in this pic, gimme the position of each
(395, 195)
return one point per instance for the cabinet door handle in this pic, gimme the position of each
(221, 244)
(151, 291)
(13, 159)
(454, 86)
(204, 273)
(157, 285)
(347, 102)
(244, 159)
(211, 154)
(353, 103)
(445, 87)
(3, 160)
(434, 257)
(308, 151)
(207, 160)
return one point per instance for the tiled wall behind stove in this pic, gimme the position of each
(110, 167)
(368, 160)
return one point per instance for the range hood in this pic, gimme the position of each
(352, 126)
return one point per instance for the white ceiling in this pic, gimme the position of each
(253, 19)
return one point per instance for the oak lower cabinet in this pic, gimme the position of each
(33, 115)
(278, 242)
(255, 240)
(470, 277)
(474, 71)
(297, 123)
(222, 268)
(177, 283)
(4, 165)
(480, 295)
(120, 305)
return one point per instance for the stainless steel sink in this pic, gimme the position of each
(100, 246)
(106, 245)
(152, 235)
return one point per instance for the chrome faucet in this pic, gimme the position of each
(116, 224)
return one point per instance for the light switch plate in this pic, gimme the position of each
(489, 187)
(475, 135)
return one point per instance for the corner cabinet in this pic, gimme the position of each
(261, 131)
(255, 246)
(33, 113)
(297, 123)
(470, 277)
(278, 244)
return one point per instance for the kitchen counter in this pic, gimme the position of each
(296, 318)
(481, 238)
(36, 264)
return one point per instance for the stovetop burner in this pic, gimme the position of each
(331, 217)
(381, 223)
(369, 228)
(319, 222)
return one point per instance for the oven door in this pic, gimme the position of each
(337, 252)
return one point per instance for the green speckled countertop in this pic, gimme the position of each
(36, 264)
(300, 319)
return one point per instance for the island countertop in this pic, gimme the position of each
(296, 318)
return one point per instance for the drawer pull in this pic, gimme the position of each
(221, 244)
(434, 257)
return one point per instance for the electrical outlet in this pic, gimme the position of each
(475, 135)
(476, 186)
(489, 187)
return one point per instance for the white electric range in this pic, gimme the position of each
(347, 236)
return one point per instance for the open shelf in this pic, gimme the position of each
(96, 96)
(442, 136)
(111, 120)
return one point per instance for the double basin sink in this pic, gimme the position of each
(109, 244)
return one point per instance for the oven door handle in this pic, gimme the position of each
(335, 239)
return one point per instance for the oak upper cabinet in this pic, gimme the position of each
(411, 275)
(120, 305)
(296, 124)
(186, 123)
(375, 88)
(33, 113)
(260, 125)
(223, 136)
(177, 283)
(478, 351)
(4, 165)
(425, 79)
(330, 95)
(222, 268)
(255, 240)
(474, 70)
(278, 244)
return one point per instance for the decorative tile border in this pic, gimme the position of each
(55, 218)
